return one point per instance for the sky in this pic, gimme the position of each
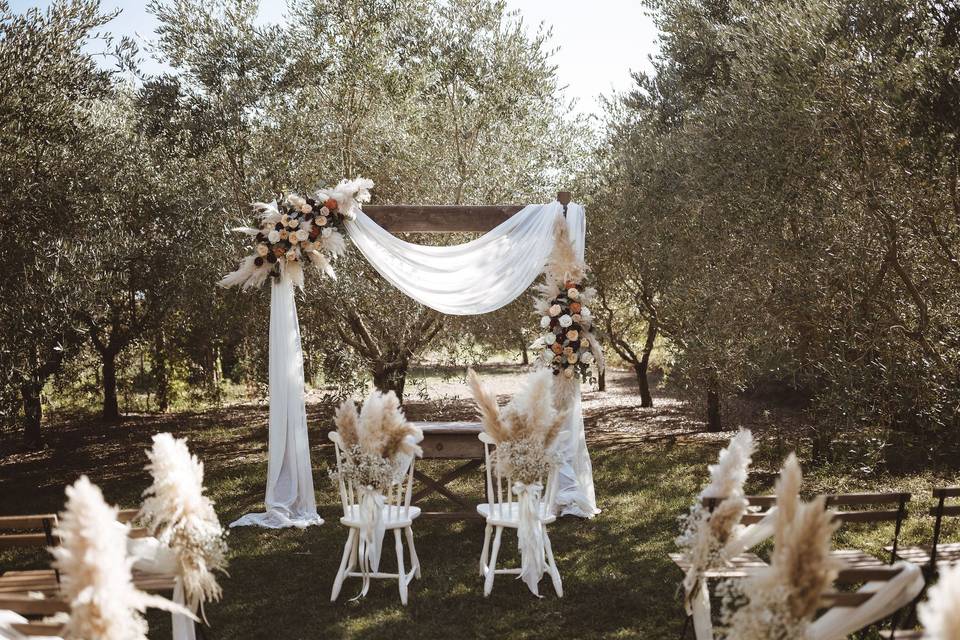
(599, 42)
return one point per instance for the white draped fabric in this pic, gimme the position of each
(475, 277)
(290, 500)
(481, 276)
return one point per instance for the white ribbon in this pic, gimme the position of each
(533, 563)
(371, 531)
(152, 556)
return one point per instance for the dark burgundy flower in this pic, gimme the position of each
(271, 258)
(258, 261)
(278, 226)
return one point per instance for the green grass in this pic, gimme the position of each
(618, 581)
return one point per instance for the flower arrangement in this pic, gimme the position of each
(568, 346)
(97, 582)
(296, 229)
(526, 430)
(177, 513)
(705, 532)
(378, 442)
(940, 614)
(781, 600)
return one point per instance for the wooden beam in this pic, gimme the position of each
(413, 218)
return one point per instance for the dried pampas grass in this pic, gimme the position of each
(782, 599)
(96, 578)
(940, 614)
(530, 415)
(380, 428)
(180, 516)
(562, 264)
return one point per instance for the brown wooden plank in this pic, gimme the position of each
(127, 515)
(946, 492)
(866, 516)
(866, 498)
(845, 599)
(30, 606)
(39, 629)
(25, 540)
(858, 575)
(407, 218)
(31, 521)
(951, 510)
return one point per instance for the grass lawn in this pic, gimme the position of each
(618, 582)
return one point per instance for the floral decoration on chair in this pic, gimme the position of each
(296, 229)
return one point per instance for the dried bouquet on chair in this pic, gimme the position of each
(525, 431)
(569, 348)
(377, 443)
(294, 230)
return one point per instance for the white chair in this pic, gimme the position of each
(502, 511)
(397, 516)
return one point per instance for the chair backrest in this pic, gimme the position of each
(757, 508)
(397, 497)
(34, 530)
(870, 508)
(941, 510)
(500, 487)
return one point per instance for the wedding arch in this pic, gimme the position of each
(472, 278)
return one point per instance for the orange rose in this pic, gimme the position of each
(331, 204)
(575, 307)
(556, 348)
(569, 285)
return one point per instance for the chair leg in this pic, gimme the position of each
(552, 565)
(414, 560)
(492, 568)
(402, 575)
(485, 554)
(342, 572)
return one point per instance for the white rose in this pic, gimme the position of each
(577, 317)
(572, 358)
(324, 211)
(572, 334)
(294, 223)
(586, 358)
(322, 220)
(555, 310)
(549, 338)
(568, 373)
(547, 355)
(545, 321)
(306, 246)
(284, 234)
(585, 313)
(303, 235)
(262, 250)
(326, 233)
(305, 208)
(573, 293)
(291, 255)
(565, 321)
(284, 219)
(274, 236)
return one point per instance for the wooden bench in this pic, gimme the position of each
(857, 508)
(936, 556)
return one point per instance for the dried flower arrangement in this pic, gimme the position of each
(780, 600)
(940, 614)
(295, 229)
(179, 515)
(378, 442)
(705, 531)
(526, 430)
(96, 577)
(568, 346)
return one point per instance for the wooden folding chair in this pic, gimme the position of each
(856, 508)
(936, 556)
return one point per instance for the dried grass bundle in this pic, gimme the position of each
(179, 515)
(562, 264)
(380, 428)
(940, 614)
(530, 415)
(96, 578)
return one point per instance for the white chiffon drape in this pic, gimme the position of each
(482, 276)
(289, 499)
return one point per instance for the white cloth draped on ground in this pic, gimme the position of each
(289, 499)
(481, 276)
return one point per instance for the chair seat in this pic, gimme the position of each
(947, 554)
(508, 515)
(856, 559)
(740, 567)
(393, 517)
